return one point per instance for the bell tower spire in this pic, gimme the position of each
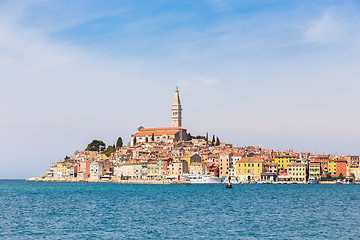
(176, 110)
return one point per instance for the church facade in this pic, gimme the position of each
(171, 134)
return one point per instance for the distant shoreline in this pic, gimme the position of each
(167, 182)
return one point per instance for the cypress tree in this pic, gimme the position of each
(213, 141)
(217, 141)
(134, 141)
(152, 137)
(119, 143)
(207, 137)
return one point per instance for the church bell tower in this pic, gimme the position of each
(176, 110)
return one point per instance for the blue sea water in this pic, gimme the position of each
(41, 210)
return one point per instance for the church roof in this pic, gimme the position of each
(161, 129)
(156, 133)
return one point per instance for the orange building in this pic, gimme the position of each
(341, 166)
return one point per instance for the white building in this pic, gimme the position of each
(96, 170)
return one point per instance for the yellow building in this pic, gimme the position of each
(204, 157)
(314, 169)
(249, 168)
(332, 166)
(283, 159)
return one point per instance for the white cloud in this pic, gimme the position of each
(323, 29)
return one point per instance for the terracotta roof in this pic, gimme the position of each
(160, 129)
(143, 134)
(251, 159)
(297, 164)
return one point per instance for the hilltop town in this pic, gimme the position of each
(170, 154)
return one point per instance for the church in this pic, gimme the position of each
(171, 134)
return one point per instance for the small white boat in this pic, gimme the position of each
(203, 179)
(313, 180)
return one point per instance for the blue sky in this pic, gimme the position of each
(279, 74)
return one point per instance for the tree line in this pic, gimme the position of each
(213, 142)
(100, 146)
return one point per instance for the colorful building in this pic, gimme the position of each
(249, 168)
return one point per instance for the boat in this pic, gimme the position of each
(229, 185)
(204, 179)
(349, 181)
(313, 180)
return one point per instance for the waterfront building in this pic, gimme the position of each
(323, 160)
(297, 172)
(178, 167)
(153, 169)
(96, 170)
(354, 171)
(196, 169)
(225, 164)
(314, 170)
(332, 166)
(271, 172)
(126, 170)
(250, 168)
(341, 167)
(84, 169)
(285, 158)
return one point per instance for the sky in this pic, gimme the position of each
(276, 74)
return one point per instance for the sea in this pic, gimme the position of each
(53, 210)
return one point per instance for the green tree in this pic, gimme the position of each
(119, 143)
(207, 137)
(217, 141)
(188, 137)
(328, 176)
(134, 141)
(146, 139)
(109, 150)
(67, 157)
(341, 176)
(152, 137)
(96, 145)
(213, 141)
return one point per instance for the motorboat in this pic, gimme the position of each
(204, 179)
(313, 180)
